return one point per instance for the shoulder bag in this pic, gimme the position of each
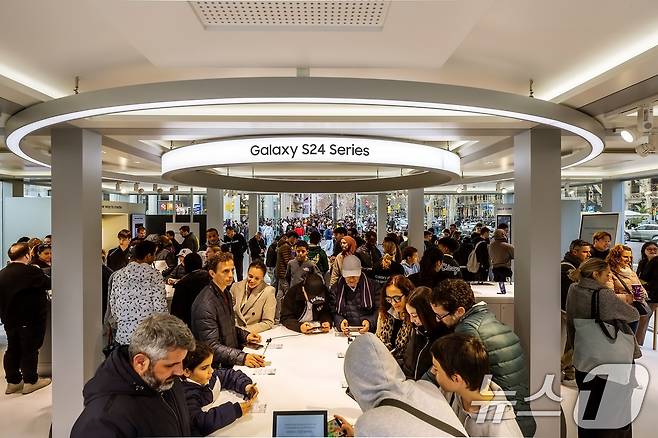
(600, 342)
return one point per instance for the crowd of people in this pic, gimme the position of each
(418, 317)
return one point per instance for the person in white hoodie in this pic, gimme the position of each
(391, 405)
(460, 365)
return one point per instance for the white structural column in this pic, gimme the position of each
(215, 209)
(451, 203)
(253, 214)
(382, 216)
(76, 273)
(537, 298)
(614, 200)
(416, 218)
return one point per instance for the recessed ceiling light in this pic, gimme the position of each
(627, 135)
(137, 162)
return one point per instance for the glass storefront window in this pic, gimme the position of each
(366, 212)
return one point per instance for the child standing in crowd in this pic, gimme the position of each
(202, 386)
(460, 365)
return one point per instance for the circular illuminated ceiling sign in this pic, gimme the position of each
(402, 94)
(198, 164)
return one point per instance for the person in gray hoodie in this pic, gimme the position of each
(379, 387)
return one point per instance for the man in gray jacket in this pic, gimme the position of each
(300, 266)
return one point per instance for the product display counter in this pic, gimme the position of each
(309, 376)
(502, 305)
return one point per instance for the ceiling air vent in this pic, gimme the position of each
(287, 15)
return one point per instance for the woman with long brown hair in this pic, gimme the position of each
(393, 323)
(417, 356)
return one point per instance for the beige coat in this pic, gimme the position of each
(254, 311)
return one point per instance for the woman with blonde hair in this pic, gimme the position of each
(628, 287)
(594, 276)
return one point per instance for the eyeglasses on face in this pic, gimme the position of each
(439, 318)
(396, 299)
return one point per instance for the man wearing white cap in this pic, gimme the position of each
(353, 298)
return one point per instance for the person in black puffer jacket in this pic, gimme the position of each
(295, 312)
(200, 385)
(136, 395)
(454, 304)
(213, 318)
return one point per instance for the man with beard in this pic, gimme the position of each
(136, 391)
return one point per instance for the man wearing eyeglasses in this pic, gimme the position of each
(23, 311)
(454, 304)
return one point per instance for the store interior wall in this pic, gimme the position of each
(111, 225)
(24, 217)
(571, 210)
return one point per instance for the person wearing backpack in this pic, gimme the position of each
(478, 260)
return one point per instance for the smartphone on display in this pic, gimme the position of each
(501, 285)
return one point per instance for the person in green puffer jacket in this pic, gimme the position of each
(454, 304)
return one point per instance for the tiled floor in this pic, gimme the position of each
(28, 416)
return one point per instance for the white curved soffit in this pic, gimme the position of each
(437, 166)
(304, 90)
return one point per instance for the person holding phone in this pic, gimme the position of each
(304, 306)
(202, 387)
(352, 299)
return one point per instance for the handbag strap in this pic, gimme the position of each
(596, 316)
(442, 426)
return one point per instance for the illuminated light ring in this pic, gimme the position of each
(439, 166)
(305, 90)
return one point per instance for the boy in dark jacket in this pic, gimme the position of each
(202, 384)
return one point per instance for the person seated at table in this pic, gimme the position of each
(375, 380)
(352, 298)
(255, 300)
(460, 365)
(202, 386)
(393, 324)
(416, 359)
(304, 304)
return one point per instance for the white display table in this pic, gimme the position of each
(309, 376)
(501, 305)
